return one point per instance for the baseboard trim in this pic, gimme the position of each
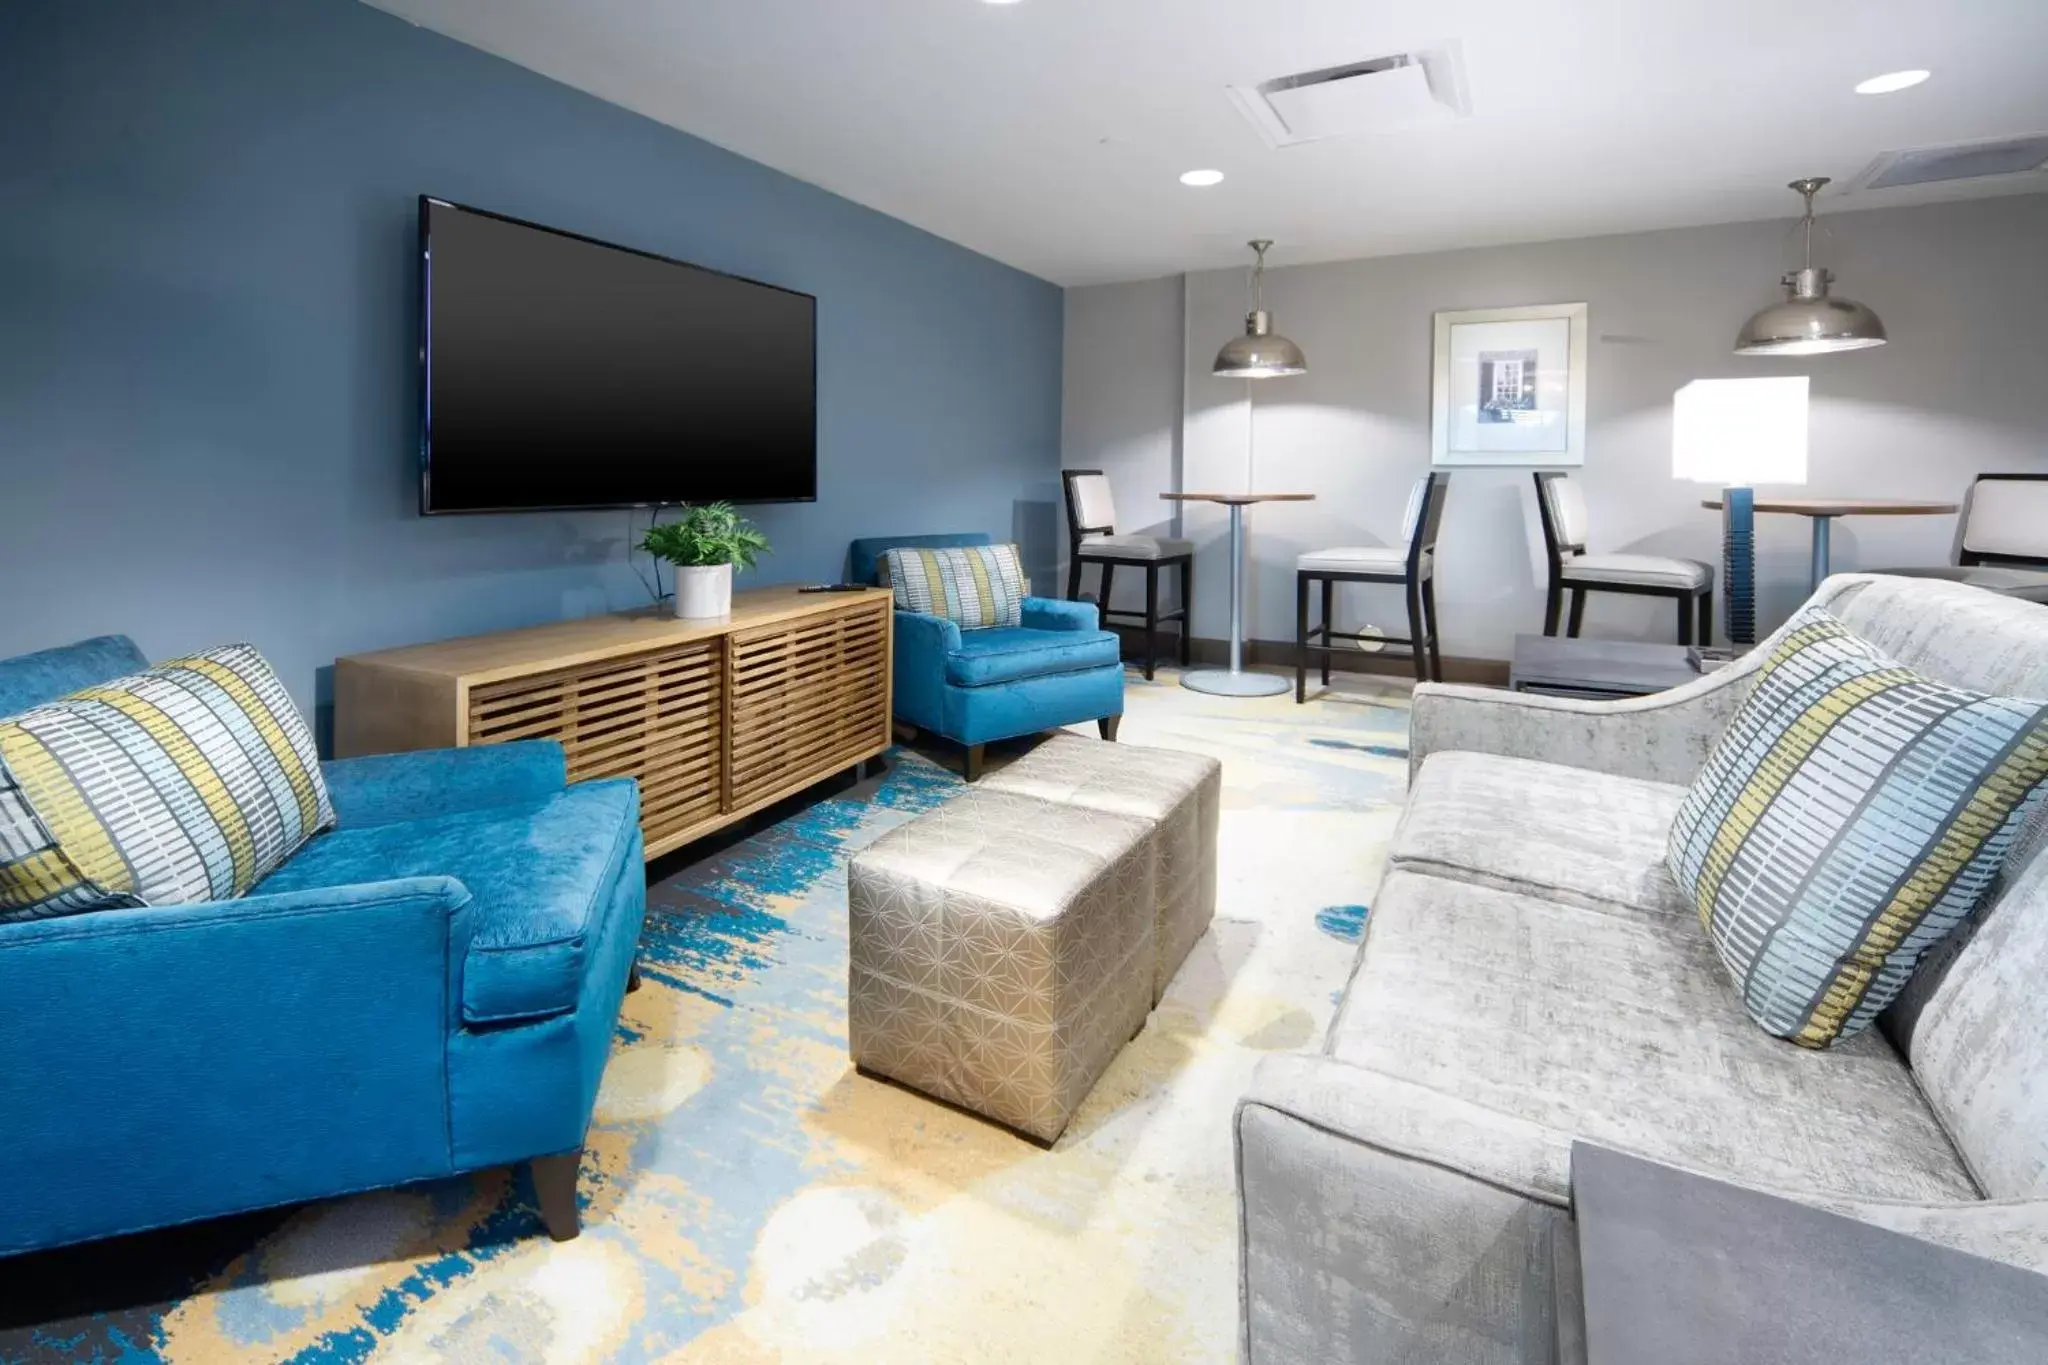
(1282, 653)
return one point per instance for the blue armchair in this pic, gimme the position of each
(430, 988)
(1055, 668)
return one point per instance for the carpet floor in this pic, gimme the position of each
(749, 1198)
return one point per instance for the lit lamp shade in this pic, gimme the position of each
(1735, 432)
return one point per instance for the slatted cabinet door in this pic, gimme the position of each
(656, 717)
(807, 697)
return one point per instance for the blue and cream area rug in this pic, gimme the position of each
(750, 1199)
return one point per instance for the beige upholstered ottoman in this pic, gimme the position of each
(1001, 954)
(1179, 794)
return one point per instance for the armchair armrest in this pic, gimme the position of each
(187, 1061)
(384, 789)
(1050, 613)
(918, 677)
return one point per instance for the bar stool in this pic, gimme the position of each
(1412, 565)
(1562, 508)
(1092, 538)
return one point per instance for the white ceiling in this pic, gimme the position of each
(1050, 134)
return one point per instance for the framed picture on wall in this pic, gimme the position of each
(1510, 387)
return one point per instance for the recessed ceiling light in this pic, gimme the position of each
(1202, 179)
(999, 2)
(1890, 81)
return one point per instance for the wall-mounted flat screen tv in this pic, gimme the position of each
(560, 372)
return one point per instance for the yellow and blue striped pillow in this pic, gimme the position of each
(1851, 817)
(189, 782)
(975, 586)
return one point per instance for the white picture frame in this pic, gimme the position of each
(1508, 388)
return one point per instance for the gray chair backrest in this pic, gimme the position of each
(2007, 520)
(1974, 1025)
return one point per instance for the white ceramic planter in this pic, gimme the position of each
(703, 590)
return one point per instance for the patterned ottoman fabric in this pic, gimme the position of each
(1001, 954)
(1179, 794)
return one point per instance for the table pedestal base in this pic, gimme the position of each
(1221, 682)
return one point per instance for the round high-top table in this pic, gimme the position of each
(1234, 681)
(1823, 512)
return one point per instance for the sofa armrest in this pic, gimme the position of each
(1051, 613)
(384, 789)
(186, 1061)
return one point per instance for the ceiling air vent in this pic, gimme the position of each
(1380, 95)
(1964, 161)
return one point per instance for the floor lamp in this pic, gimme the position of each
(1738, 433)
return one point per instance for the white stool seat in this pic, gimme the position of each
(1650, 571)
(1134, 547)
(1386, 559)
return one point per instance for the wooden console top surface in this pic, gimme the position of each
(476, 659)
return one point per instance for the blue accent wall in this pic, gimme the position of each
(208, 331)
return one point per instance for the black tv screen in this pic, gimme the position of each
(561, 372)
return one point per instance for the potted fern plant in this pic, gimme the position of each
(705, 545)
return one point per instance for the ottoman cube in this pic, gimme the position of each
(1000, 954)
(1179, 794)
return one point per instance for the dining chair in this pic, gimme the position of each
(1411, 564)
(1562, 509)
(1092, 538)
(2005, 538)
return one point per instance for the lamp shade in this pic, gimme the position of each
(1735, 432)
(1259, 354)
(1809, 322)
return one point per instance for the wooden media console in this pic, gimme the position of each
(716, 719)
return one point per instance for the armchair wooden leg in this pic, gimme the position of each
(554, 1185)
(975, 754)
(633, 978)
(1108, 726)
(1578, 615)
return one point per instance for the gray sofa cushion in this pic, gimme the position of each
(1620, 1027)
(1570, 834)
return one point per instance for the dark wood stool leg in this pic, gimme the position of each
(1706, 631)
(554, 1187)
(975, 754)
(1329, 624)
(1436, 660)
(1419, 655)
(1187, 612)
(1107, 726)
(1151, 619)
(633, 978)
(1685, 613)
(1578, 615)
(1300, 638)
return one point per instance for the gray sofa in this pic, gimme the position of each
(1530, 976)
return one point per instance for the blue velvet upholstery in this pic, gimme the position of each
(1057, 667)
(29, 680)
(1011, 653)
(430, 988)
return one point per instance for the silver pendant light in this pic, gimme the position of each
(1808, 322)
(1259, 353)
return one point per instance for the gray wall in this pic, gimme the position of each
(208, 333)
(1961, 287)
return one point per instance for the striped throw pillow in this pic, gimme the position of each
(1851, 817)
(975, 586)
(189, 782)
